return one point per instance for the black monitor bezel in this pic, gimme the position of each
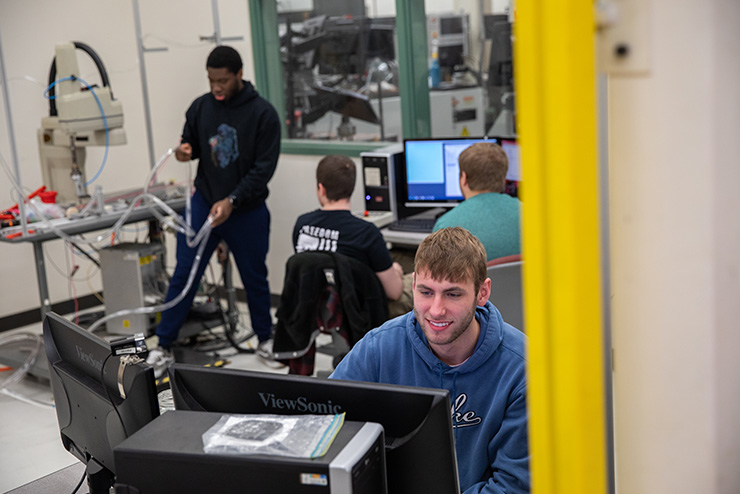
(399, 409)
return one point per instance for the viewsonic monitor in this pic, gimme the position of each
(420, 447)
(92, 413)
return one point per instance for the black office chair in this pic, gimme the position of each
(329, 293)
(506, 288)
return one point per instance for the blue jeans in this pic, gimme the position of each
(247, 235)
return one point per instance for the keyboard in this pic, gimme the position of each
(416, 225)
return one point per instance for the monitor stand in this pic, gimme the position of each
(99, 478)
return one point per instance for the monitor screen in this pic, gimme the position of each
(420, 447)
(92, 414)
(433, 174)
(432, 171)
(511, 148)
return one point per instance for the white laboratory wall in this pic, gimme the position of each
(29, 31)
(675, 233)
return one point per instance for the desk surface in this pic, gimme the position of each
(402, 238)
(413, 239)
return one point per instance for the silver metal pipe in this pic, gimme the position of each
(216, 23)
(602, 85)
(13, 149)
(216, 36)
(144, 90)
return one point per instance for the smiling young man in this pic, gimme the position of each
(455, 339)
(235, 136)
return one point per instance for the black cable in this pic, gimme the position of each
(230, 320)
(91, 258)
(107, 392)
(79, 484)
(53, 74)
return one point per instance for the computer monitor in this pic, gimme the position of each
(511, 148)
(92, 412)
(420, 447)
(432, 171)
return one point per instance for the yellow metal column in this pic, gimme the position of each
(556, 110)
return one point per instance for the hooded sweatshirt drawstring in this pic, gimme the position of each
(453, 394)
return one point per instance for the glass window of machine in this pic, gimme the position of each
(471, 76)
(344, 66)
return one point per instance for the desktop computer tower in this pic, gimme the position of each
(383, 174)
(167, 455)
(133, 276)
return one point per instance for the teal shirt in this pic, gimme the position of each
(492, 217)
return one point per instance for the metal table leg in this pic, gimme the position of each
(38, 254)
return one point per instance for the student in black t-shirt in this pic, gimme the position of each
(334, 228)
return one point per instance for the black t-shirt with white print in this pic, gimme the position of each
(340, 231)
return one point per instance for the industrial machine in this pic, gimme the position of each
(328, 64)
(80, 115)
(448, 35)
(133, 276)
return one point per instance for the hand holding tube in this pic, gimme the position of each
(221, 211)
(184, 152)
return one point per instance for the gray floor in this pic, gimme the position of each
(30, 446)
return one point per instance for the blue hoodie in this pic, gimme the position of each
(487, 391)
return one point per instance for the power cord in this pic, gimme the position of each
(79, 484)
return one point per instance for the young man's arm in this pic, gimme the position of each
(392, 281)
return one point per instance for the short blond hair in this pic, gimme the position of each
(452, 254)
(485, 165)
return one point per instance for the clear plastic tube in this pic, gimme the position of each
(204, 233)
(188, 211)
(20, 373)
(180, 225)
(184, 227)
(155, 170)
(26, 399)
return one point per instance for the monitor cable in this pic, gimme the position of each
(79, 484)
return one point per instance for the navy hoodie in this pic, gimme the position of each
(487, 391)
(237, 143)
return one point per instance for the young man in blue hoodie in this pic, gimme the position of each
(235, 136)
(455, 339)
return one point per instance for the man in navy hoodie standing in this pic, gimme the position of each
(235, 136)
(455, 339)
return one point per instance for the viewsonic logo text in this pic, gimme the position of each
(300, 404)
